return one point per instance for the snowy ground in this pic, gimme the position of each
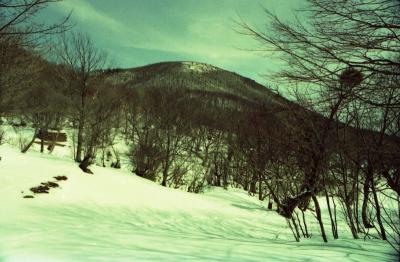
(115, 216)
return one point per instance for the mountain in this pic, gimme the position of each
(195, 77)
(211, 82)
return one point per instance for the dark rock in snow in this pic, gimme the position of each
(59, 178)
(40, 189)
(28, 196)
(50, 184)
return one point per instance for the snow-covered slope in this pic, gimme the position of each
(197, 67)
(115, 216)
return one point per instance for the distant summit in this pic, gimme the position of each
(198, 67)
(194, 76)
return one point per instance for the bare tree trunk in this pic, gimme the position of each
(270, 202)
(166, 162)
(260, 189)
(252, 189)
(378, 212)
(26, 148)
(41, 145)
(53, 143)
(85, 164)
(346, 202)
(296, 228)
(356, 203)
(291, 228)
(165, 176)
(364, 215)
(305, 223)
(333, 224)
(350, 221)
(226, 168)
(78, 157)
(118, 162)
(103, 157)
(298, 220)
(246, 182)
(319, 218)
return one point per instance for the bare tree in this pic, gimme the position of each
(101, 121)
(19, 69)
(340, 54)
(45, 103)
(16, 19)
(81, 60)
(20, 36)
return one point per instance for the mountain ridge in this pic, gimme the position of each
(195, 76)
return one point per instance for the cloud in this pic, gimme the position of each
(86, 13)
(203, 33)
(203, 36)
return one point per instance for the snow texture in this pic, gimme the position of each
(197, 67)
(116, 216)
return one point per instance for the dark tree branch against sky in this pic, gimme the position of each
(138, 32)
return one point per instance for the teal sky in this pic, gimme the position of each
(140, 32)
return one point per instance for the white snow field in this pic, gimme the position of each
(116, 216)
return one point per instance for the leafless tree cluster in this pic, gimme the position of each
(343, 58)
(46, 94)
(19, 36)
(80, 60)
